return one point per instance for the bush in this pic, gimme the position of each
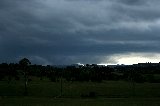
(89, 95)
(92, 94)
(53, 79)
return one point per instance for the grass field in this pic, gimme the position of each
(110, 93)
(45, 88)
(29, 101)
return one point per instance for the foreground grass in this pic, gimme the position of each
(107, 89)
(108, 93)
(30, 101)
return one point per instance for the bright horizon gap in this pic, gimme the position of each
(131, 58)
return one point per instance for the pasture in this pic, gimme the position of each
(31, 101)
(110, 93)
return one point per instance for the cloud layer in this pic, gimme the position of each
(77, 31)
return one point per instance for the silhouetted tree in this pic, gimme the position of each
(3, 70)
(24, 63)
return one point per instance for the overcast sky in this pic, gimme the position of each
(80, 31)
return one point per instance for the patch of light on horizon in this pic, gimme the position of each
(135, 60)
(132, 58)
(80, 64)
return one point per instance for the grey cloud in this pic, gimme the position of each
(132, 2)
(69, 31)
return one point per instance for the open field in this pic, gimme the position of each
(29, 101)
(46, 88)
(110, 93)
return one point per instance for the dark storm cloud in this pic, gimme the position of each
(72, 31)
(132, 2)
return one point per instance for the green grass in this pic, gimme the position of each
(109, 93)
(29, 101)
(107, 89)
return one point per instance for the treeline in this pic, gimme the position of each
(94, 73)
